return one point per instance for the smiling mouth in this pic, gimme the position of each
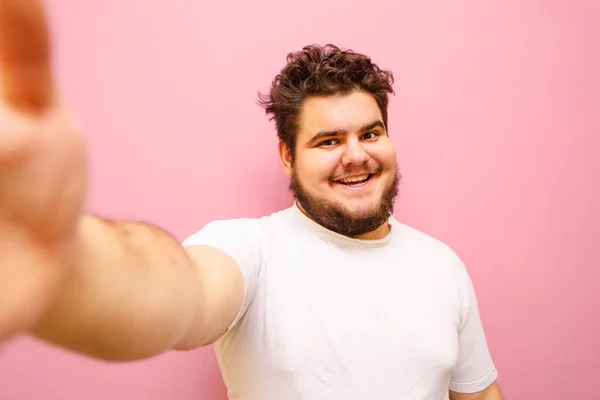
(355, 181)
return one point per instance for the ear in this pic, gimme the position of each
(286, 158)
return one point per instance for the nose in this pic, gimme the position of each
(354, 154)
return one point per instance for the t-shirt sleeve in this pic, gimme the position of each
(475, 369)
(242, 240)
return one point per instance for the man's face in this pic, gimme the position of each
(344, 175)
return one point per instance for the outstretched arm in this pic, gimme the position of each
(112, 290)
(133, 292)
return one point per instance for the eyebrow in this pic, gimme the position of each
(327, 134)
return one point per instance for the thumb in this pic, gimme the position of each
(25, 73)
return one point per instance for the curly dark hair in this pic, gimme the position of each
(321, 71)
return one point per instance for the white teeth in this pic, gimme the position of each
(355, 179)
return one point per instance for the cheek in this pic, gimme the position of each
(322, 167)
(386, 157)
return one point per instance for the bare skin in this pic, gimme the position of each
(42, 171)
(75, 280)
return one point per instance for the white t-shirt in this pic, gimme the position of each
(327, 317)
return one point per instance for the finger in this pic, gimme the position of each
(25, 72)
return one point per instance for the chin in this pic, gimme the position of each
(359, 205)
(359, 209)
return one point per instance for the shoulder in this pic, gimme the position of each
(235, 229)
(226, 229)
(424, 243)
(435, 251)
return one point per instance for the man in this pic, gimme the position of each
(331, 298)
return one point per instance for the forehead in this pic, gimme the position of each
(337, 112)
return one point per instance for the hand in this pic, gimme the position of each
(42, 171)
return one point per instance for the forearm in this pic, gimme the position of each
(131, 293)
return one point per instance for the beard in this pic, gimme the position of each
(335, 217)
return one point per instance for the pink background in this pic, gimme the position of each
(496, 120)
